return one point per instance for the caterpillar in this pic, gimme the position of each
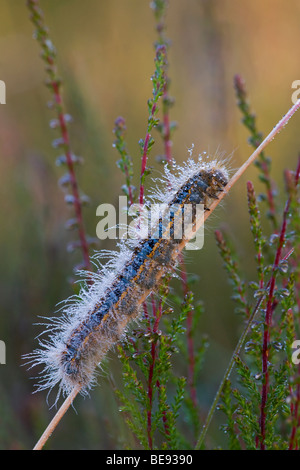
(95, 321)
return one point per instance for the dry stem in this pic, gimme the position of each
(60, 413)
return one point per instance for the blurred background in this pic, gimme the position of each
(106, 58)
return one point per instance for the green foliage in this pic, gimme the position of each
(258, 408)
(261, 400)
(68, 182)
(125, 162)
(147, 371)
(263, 162)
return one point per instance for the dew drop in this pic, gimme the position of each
(259, 293)
(58, 142)
(249, 346)
(54, 123)
(273, 238)
(69, 199)
(283, 267)
(277, 345)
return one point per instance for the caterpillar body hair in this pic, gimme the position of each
(95, 321)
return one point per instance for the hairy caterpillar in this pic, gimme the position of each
(91, 325)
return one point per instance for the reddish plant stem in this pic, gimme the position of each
(268, 318)
(267, 326)
(151, 369)
(295, 405)
(73, 179)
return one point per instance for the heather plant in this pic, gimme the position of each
(259, 394)
(74, 197)
(260, 409)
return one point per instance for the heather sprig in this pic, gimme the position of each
(258, 238)
(165, 127)
(147, 354)
(272, 300)
(125, 163)
(231, 266)
(229, 409)
(158, 81)
(255, 139)
(68, 181)
(258, 406)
